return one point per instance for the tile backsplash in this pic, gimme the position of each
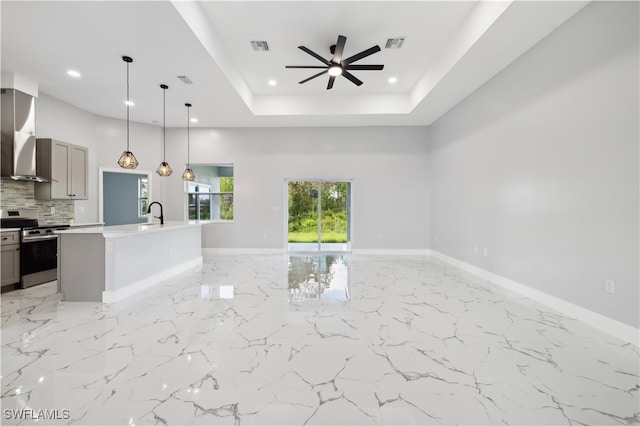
(19, 194)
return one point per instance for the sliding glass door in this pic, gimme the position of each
(319, 216)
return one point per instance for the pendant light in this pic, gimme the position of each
(127, 160)
(188, 173)
(164, 169)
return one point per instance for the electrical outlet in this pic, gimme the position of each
(475, 249)
(80, 210)
(609, 286)
(53, 210)
(486, 252)
(435, 239)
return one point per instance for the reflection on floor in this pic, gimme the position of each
(252, 340)
(324, 277)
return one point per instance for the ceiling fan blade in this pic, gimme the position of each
(363, 54)
(332, 78)
(364, 67)
(313, 76)
(314, 54)
(352, 78)
(337, 56)
(305, 66)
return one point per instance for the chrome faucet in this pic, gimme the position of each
(161, 217)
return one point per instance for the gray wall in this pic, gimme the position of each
(56, 119)
(540, 166)
(120, 195)
(387, 166)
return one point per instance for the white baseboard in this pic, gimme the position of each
(608, 325)
(385, 252)
(242, 251)
(392, 252)
(141, 285)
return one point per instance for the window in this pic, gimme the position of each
(210, 196)
(143, 196)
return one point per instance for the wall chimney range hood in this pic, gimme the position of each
(18, 136)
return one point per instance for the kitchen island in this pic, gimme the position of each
(110, 263)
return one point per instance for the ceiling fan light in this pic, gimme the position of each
(335, 70)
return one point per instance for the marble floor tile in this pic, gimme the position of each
(311, 340)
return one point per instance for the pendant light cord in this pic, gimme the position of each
(164, 127)
(127, 106)
(188, 141)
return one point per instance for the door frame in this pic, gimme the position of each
(350, 226)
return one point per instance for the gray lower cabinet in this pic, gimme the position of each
(66, 167)
(10, 265)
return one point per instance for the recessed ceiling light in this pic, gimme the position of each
(393, 80)
(272, 82)
(74, 73)
(194, 120)
(130, 103)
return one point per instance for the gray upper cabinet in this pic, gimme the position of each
(66, 167)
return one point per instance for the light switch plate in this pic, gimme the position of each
(609, 286)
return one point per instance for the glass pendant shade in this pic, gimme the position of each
(164, 169)
(128, 160)
(188, 175)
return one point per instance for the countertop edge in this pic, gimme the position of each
(119, 231)
(10, 229)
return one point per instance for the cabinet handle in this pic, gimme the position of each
(5, 238)
(18, 249)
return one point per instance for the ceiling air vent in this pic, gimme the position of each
(259, 46)
(185, 79)
(394, 43)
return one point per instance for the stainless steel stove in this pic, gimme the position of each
(38, 246)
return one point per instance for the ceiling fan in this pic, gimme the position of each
(338, 66)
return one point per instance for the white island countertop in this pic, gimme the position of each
(131, 229)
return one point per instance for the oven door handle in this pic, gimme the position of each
(38, 238)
